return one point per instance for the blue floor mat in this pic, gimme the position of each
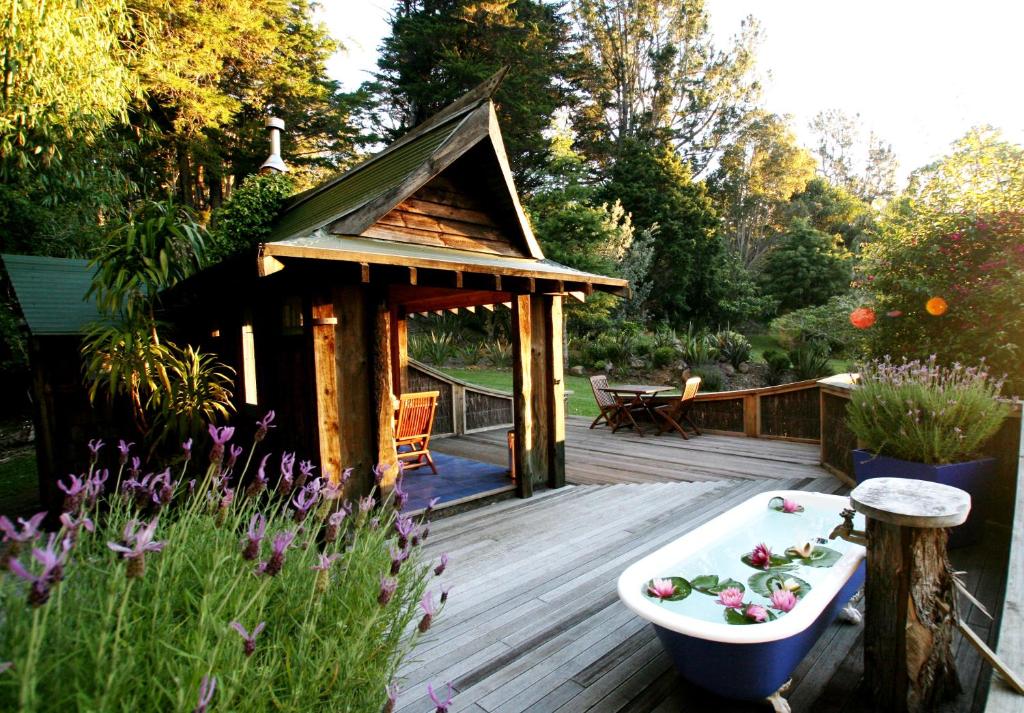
(456, 478)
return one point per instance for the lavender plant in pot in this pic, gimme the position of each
(922, 420)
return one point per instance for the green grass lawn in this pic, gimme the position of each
(19, 485)
(581, 400)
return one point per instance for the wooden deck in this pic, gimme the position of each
(534, 622)
(599, 456)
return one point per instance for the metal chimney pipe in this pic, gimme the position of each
(274, 162)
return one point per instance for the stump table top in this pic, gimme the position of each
(911, 503)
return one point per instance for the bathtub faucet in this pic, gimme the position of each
(846, 531)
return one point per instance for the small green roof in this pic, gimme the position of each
(51, 292)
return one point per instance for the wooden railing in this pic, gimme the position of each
(461, 407)
(790, 412)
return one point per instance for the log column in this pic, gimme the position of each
(910, 597)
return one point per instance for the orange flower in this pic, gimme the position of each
(936, 306)
(862, 317)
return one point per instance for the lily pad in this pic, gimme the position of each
(683, 590)
(821, 557)
(764, 583)
(736, 616)
(777, 562)
(710, 584)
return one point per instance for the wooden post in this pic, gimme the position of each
(750, 420)
(541, 388)
(522, 374)
(384, 394)
(353, 353)
(555, 357)
(325, 381)
(910, 596)
(399, 351)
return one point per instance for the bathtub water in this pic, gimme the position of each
(746, 661)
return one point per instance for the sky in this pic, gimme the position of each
(919, 74)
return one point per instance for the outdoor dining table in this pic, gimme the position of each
(638, 396)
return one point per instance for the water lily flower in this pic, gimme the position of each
(429, 610)
(761, 556)
(248, 640)
(756, 612)
(730, 597)
(95, 445)
(305, 501)
(389, 704)
(206, 689)
(791, 506)
(661, 588)
(186, 448)
(137, 542)
(253, 538)
(264, 426)
(388, 585)
(273, 565)
(805, 550)
(783, 600)
(220, 437)
(123, 447)
(791, 585)
(439, 569)
(74, 492)
(442, 705)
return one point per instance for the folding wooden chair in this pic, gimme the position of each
(606, 403)
(675, 413)
(413, 424)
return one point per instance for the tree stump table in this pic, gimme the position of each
(910, 595)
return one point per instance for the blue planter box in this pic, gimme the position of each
(975, 477)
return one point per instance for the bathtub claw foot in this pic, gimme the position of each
(780, 704)
(850, 614)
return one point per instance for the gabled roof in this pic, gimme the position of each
(52, 293)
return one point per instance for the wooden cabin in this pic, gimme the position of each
(315, 322)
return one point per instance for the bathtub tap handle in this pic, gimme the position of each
(846, 530)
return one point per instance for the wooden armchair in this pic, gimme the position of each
(674, 414)
(413, 424)
(606, 403)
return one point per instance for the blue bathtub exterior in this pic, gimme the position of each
(751, 671)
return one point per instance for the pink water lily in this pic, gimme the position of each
(791, 506)
(661, 588)
(761, 556)
(783, 600)
(756, 612)
(730, 597)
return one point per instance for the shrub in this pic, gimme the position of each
(810, 360)
(710, 377)
(471, 353)
(829, 323)
(698, 348)
(732, 346)
(432, 348)
(807, 268)
(246, 218)
(152, 624)
(923, 412)
(664, 356)
(778, 364)
(499, 353)
(665, 336)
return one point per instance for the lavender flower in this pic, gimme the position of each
(322, 567)
(186, 448)
(123, 447)
(94, 486)
(346, 474)
(398, 556)
(257, 484)
(136, 470)
(227, 497)
(404, 527)
(29, 528)
(429, 610)
(439, 569)
(306, 469)
(95, 445)
(445, 588)
(253, 538)
(287, 481)
(273, 565)
(389, 704)
(6, 666)
(248, 640)
(379, 471)
(366, 504)
(72, 526)
(401, 497)
(430, 506)
(206, 689)
(51, 574)
(334, 525)
(442, 705)
(264, 426)
(233, 453)
(388, 585)
(304, 501)
(220, 437)
(137, 542)
(74, 493)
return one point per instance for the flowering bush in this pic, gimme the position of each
(925, 412)
(210, 588)
(975, 264)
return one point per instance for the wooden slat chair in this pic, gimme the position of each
(413, 424)
(672, 415)
(605, 401)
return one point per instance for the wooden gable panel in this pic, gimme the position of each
(453, 210)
